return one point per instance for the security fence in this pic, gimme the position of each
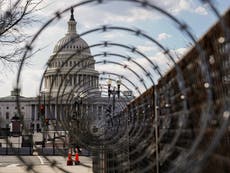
(150, 116)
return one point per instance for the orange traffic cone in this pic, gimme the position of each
(77, 161)
(69, 160)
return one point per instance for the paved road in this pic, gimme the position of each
(13, 164)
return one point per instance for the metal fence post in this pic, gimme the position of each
(156, 126)
(54, 144)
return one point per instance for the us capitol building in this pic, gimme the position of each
(71, 68)
(66, 57)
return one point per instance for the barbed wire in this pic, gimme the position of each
(155, 131)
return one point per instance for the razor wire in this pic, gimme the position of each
(143, 133)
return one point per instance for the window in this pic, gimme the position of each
(7, 107)
(33, 113)
(22, 114)
(7, 115)
(23, 107)
(38, 127)
(32, 126)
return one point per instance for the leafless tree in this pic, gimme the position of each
(15, 16)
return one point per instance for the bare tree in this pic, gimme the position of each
(15, 16)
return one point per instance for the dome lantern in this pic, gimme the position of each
(72, 15)
(71, 42)
(72, 24)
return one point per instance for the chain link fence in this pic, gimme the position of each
(172, 121)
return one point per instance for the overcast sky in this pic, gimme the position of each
(198, 17)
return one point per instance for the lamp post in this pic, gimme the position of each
(114, 92)
(42, 113)
(77, 110)
(76, 117)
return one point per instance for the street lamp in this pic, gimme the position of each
(43, 118)
(113, 92)
(118, 87)
(76, 116)
(76, 110)
(109, 87)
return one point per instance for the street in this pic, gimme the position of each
(50, 164)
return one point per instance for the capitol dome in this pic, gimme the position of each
(71, 63)
(71, 43)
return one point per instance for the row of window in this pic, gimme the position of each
(7, 115)
(86, 64)
(7, 107)
(78, 47)
(32, 127)
(73, 80)
(74, 47)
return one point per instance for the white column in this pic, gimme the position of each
(73, 80)
(79, 81)
(51, 81)
(59, 80)
(91, 80)
(35, 112)
(44, 81)
(94, 81)
(48, 82)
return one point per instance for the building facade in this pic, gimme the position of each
(70, 74)
(28, 110)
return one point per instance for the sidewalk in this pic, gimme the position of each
(48, 169)
(41, 164)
